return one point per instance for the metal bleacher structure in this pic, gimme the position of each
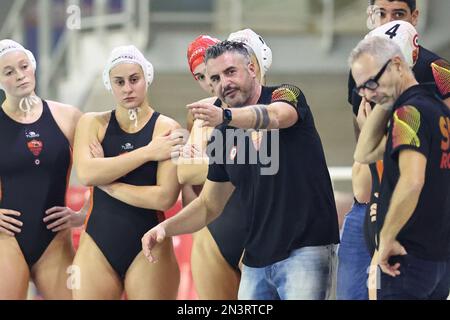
(310, 40)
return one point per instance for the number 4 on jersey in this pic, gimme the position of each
(392, 32)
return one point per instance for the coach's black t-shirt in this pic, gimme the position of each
(421, 122)
(292, 207)
(422, 71)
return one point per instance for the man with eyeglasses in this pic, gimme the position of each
(413, 215)
(371, 84)
(357, 240)
(358, 236)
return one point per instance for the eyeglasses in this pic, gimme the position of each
(372, 84)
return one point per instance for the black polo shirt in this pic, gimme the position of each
(421, 122)
(424, 75)
(292, 208)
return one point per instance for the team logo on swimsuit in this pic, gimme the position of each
(35, 147)
(32, 134)
(127, 147)
(233, 153)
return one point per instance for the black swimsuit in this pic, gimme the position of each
(116, 227)
(34, 165)
(230, 229)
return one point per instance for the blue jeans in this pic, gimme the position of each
(305, 275)
(353, 257)
(418, 280)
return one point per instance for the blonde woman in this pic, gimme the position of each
(36, 141)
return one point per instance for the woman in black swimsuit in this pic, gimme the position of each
(35, 142)
(126, 154)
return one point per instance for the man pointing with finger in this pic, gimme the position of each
(291, 212)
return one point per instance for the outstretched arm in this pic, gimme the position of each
(192, 218)
(277, 115)
(202, 211)
(287, 105)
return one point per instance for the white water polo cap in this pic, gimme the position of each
(257, 44)
(8, 45)
(127, 54)
(404, 35)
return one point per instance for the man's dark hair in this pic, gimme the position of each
(226, 46)
(411, 3)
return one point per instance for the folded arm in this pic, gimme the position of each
(99, 171)
(160, 197)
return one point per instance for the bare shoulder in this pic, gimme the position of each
(94, 123)
(165, 123)
(66, 116)
(61, 106)
(100, 118)
(64, 111)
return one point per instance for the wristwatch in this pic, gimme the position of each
(227, 116)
